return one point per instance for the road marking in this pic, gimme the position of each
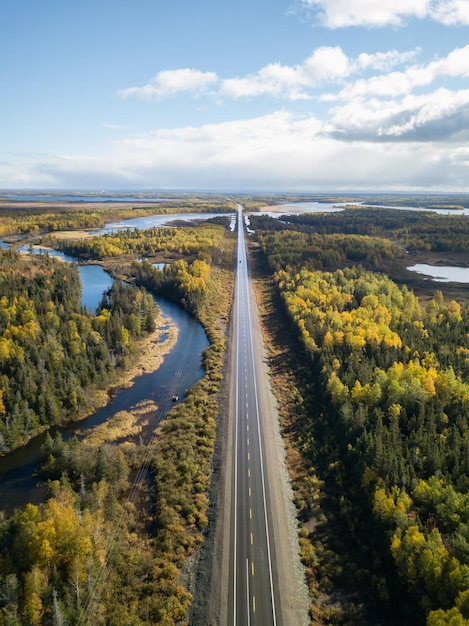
(247, 592)
(249, 457)
(253, 604)
(249, 472)
(252, 540)
(249, 491)
(248, 441)
(252, 568)
(250, 513)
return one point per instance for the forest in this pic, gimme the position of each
(52, 352)
(380, 418)
(412, 230)
(122, 515)
(173, 242)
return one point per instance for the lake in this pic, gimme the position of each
(296, 208)
(442, 273)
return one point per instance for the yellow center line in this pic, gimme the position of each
(249, 457)
(249, 491)
(253, 604)
(252, 568)
(252, 539)
(250, 513)
(248, 440)
(249, 472)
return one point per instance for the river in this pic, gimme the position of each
(180, 370)
(152, 221)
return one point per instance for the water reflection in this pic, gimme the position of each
(442, 273)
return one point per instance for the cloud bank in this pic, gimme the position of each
(274, 152)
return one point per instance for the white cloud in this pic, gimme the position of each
(384, 61)
(372, 13)
(327, 63)
(450, 12)
(292, 82)
(170, 82)
(274, 79)
(439, 116)
(340, 13)
(455, 64)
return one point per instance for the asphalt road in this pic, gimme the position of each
(251, 573)
(253, 588)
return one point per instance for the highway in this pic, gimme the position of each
(253, 590)
(254, 576)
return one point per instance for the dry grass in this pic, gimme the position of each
(122, 425)
(150, 353)
(74, 234)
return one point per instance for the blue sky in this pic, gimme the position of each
(261, 95)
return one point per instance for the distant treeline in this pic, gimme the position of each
(31, 220)
(422, 201)
(413, 230)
